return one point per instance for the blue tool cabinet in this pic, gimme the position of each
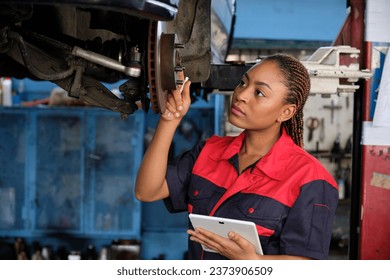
(65, 170)
(67, 175)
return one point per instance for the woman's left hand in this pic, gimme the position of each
(235, 247)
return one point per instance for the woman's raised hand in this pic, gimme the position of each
(178, 100)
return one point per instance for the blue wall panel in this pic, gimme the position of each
(309, 20)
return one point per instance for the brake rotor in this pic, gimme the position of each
(163, 64)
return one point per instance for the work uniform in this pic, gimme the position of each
(288, 194)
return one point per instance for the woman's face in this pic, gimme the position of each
(258, 101)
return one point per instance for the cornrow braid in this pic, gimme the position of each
(297, 81)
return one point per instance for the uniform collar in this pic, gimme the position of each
(234, 147)
(273, 164)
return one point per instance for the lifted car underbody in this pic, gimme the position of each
(80, 45)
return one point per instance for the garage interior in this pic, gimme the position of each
(67, 170)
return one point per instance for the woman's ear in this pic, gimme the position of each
(288, 111)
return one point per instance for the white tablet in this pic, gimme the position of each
(222, 226)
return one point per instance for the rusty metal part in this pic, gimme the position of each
(152, 42)
(163, 47)
(171, 59)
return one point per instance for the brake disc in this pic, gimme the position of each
(163, 64)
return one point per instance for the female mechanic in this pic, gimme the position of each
(262, 175)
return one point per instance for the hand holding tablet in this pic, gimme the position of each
(222, 226)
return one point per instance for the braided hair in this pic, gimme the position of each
(297, 81)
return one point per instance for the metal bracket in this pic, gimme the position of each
(332, 70)
(335, 70)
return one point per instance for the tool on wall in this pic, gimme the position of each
(312, 123)
(322, 130)
(336, 150)
(332, 107)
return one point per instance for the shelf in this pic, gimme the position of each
(327, 154)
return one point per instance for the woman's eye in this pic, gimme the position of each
(259, 93)
(242, 83)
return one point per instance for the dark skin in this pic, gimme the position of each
(258, 106)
